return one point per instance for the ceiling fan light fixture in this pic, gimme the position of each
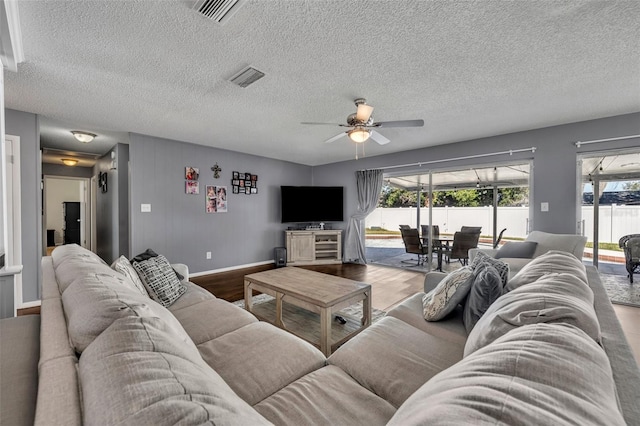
(359, 134)
(84, 137)
(69, 162)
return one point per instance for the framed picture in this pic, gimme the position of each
(234, 189)
(254, 177)
(191, 187)
(236, 176)
(102, 181)
(254, 190)
(191, 173)
(247, 183)
(235, 182)
(221, 199)
(241, 176)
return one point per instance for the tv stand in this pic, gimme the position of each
(314, 247)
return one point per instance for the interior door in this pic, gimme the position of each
(72, 222)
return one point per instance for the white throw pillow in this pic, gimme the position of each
(451, 291)
(123, 266)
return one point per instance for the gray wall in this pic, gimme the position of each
(49, 169)
(26, 126)
(112, 207)
(178, 225)
(554, 164)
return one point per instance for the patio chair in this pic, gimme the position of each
(413, 244)
(471, 229)
(631, 246)
(404, 227)
(462, 242)
(495, 245)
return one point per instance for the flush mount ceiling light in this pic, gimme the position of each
(359, 134)
(84, 137)
(69, 161)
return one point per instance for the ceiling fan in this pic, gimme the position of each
(362, 125)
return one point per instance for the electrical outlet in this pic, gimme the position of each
(544, 207)
(145, 208)
(208, 255)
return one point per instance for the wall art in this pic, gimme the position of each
(216, 199)
(244, 183)
(191, 173)
(216, 171)
(191, 187)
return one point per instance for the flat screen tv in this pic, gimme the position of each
(311, 204)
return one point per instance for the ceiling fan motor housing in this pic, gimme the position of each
(353, 121)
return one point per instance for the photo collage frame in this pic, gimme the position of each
(244, 183)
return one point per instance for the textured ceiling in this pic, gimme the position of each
(469, 69)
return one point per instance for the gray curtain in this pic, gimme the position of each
(369, 185)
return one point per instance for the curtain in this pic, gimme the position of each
(369, 185)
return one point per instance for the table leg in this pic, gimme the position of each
(325, 331)
(439, 268)
(279, 321)
(366, 309)
(248, 296)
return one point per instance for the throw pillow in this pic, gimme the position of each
(486, 289)
(160, 280)
(148, 254)
(451, 291)
(483, 258)
(123, 266)
(517, 249)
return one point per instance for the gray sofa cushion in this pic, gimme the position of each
(450, 328)
(551, 262)
(486, 289)
(570, 243)
(449, 292)
(193, 295)
(327, 396)
(542, 374)
(517, 249)
(259, 359)
(211, 319)
(136, 372)
(93, 303)
(555, 298)
(392, 359)
(19, 353)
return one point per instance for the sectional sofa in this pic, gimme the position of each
(110, 356)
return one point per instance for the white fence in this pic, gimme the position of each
(615, 221)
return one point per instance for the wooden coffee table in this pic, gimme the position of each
(316, 292)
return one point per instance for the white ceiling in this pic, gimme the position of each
(469, 69)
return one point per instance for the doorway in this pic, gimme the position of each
(67, 211)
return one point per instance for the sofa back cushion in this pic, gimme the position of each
(571, 243)
(541, 374)
(554, 298)
(549, 263)
(138, 373)
(92, 303)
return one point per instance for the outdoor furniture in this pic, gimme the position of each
(413, 244)
(404, 227)
(462, 242)
(631, 246)
(495, 245)
(471, 229)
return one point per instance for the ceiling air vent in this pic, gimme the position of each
(218, 10)
(246, 77)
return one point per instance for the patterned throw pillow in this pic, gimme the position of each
(449, 292)
(483, 258)
(123, 266)
(160, 280)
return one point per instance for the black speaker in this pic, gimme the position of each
(280, 256)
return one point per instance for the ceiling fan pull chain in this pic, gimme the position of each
(356, 151)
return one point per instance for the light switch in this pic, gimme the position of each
(145, 208)
(544, 207)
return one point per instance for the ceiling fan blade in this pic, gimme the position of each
(335, 138)
(364, 112)
(322, 124)
(402, 123)
(379, 138)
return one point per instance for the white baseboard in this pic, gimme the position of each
(230, 268)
